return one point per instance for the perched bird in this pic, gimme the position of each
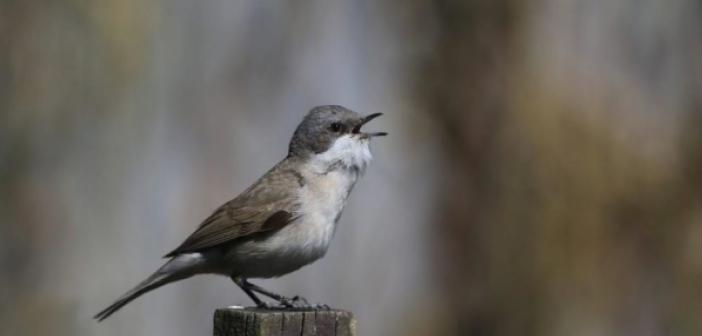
(285, 220)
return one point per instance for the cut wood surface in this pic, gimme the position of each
(262, 322)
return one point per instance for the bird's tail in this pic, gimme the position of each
(175, 269)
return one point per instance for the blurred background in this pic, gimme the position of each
(543, 173)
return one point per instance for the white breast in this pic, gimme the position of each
(329, 178)
(323, 199)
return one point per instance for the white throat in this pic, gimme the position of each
(349, 152)
(329, 179)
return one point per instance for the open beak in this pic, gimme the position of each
(365, 120)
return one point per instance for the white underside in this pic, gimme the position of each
(329, 178)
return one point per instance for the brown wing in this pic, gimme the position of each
(267, 205)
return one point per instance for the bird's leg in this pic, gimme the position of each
(264, 291)
(297, 301)
(244, 285)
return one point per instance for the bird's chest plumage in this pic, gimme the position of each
(307, 238)
(326, 181)
(322, 199)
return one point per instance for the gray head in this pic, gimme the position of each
(324, 124)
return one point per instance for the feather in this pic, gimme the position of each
(266, 206)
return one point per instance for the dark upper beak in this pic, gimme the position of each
(366, 119)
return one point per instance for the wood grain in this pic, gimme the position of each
(261, 322)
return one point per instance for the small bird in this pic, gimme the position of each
(282, 222)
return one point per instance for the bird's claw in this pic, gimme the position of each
(321, 306)
(295, 302)
(299, 302)
(265, 305)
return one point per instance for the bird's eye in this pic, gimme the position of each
(336, 127)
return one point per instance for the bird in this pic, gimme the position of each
(283, 221)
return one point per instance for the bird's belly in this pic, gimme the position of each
(282, 252)
(301, 242)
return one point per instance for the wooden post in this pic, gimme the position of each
(262, 322)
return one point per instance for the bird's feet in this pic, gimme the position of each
(321, 306)
(267, 305)
(296, 302)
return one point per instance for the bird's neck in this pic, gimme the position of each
(348, 154)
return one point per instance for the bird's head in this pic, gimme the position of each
(333, 133)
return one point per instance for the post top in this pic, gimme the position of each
(251, 321)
